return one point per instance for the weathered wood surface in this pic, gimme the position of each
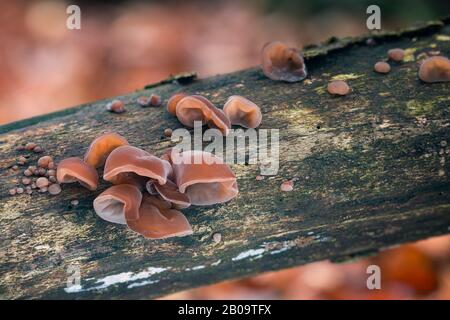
(372, 174)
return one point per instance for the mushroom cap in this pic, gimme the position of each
(159, 222)
(168, 192)
(76, 170)
(279, 62)
(119, 204)
(101, 147)
(126, 160)
(243, 112)
(173, 101)
(198, 108)
(382, 67)
(338, 87)
(396, 54)
(204, 178)
(435, 69)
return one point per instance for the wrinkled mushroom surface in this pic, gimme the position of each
(435, 69)
(128, 160)
(204, 178)
(280, 62)
(76, 170)
(159, 222)
(101, 147)
(243, 112)
(119, 204)
(197, 108)
(169, 192)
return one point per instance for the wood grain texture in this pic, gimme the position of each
(370, 166)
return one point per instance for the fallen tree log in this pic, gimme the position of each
(372, 172)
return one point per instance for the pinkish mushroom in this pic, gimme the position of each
(119, 204)
(435, 69)
(126, 162)
(279, 62)
(169, 192)
(76, 170)
(243, 112)
(338, 87)
(173, 101)
(101, 147)
(205, 178)
(198, 108)
(156, 221)
(396, 54)
(382, 67)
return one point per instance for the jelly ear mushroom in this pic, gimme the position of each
(101, 147)
(119, 204)
(338, 87)
(435, 69)
(198, 108)
(279, 62)
(159, 222)
(173, 101)
(204, 178)
(243, 112)
(396, 54)
(76, 170)
(169, 192)
(126, 162)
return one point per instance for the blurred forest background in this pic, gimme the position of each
(124, 45)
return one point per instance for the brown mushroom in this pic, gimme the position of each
(396, 54)
(119, 204)
(76, 170)
(279, 62)
(382, 67)
(243, 112)
(435, 69)
(338, 87)
(125, 162)
(204, 178)
(197, 108)
(169, 192)
(173, 101)
(156, 221)
(101, 147)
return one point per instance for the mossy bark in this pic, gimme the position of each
(372, 172)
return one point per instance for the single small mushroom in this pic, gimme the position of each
(382, 67)
(76, 170)
(169, 192)
(116, 106)
(338, 87)
(159, 222)
(101, 147)
(173, 101)
(435, 69)
(205, 178)
(396, 54)
(243, 112)
(128, 161)
(119, 204)
(198, 108)
(280, 62)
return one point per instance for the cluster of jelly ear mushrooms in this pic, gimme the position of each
(149, 191)
(191, 109)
